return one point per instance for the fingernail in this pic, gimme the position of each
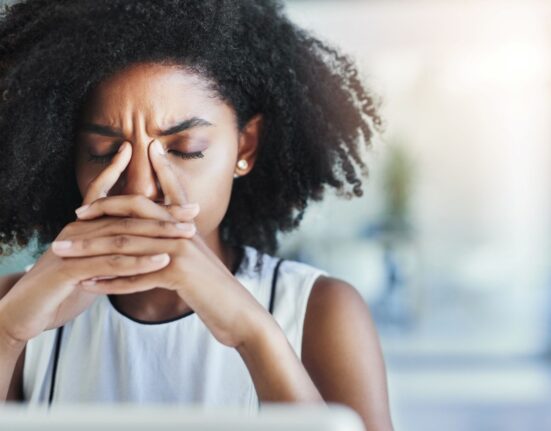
(190, 206)
(121, 147)
(82, 209)
(186, 227)
(158, 147)
(159, 257)
(61, 245)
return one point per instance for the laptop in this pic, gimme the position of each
(158, 417)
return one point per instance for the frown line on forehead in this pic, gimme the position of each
(181, 126)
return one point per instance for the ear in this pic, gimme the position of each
(248, 143)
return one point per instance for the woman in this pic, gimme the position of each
(189, 134)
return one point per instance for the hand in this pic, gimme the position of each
(47, 296)
(198, 276)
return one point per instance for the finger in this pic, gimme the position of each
(100, 186)
(186, 212)
(136, 226)
(83, 268)
(173, 190)
(125, 285)
(118, 244)
(135, 206)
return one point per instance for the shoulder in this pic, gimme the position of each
(335, 306)
(333, 295)
(342, 353)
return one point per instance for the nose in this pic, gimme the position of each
(139, 176)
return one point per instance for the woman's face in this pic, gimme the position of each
(152, 101)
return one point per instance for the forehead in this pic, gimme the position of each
(151, 89)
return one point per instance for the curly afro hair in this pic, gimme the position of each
(317, 113)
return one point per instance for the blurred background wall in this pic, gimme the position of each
(449, 245)
(461, 288)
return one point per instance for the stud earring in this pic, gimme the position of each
(241, 164)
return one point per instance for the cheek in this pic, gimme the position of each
(208, 182)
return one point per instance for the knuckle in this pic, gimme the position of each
(127, 223)
(85, 243)
(120, 241)
(114, 261)
(162, 224)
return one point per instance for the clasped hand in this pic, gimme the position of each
(165, 241)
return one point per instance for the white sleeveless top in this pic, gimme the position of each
(105, 356)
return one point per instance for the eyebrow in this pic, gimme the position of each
(100, 129)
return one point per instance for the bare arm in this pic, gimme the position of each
(276, 371)
(342, 361)
(342, 354)
(12, 353)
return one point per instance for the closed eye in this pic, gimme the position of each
(193, 155)
(103, 159)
